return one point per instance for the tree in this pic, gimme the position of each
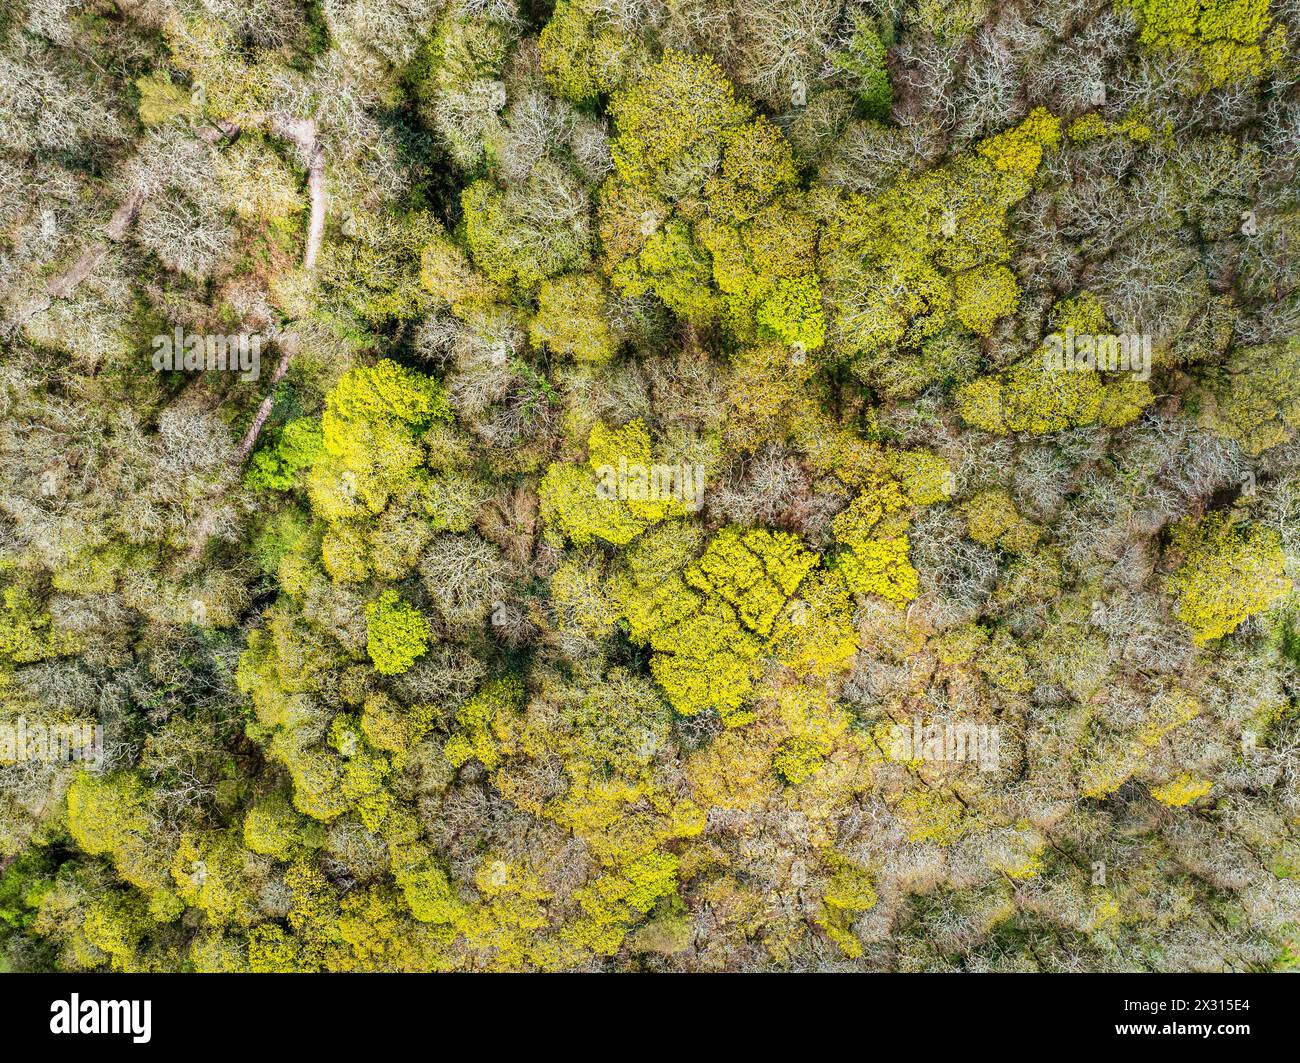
(1229, 41)
(396, 633)
(1255, 398)
(750, 259)
(1228, 573)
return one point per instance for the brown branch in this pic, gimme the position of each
(217, 132)
(288, 347)
(63, 285)
(301, 133)
(67, 282)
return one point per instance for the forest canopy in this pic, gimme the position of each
(650, 485)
